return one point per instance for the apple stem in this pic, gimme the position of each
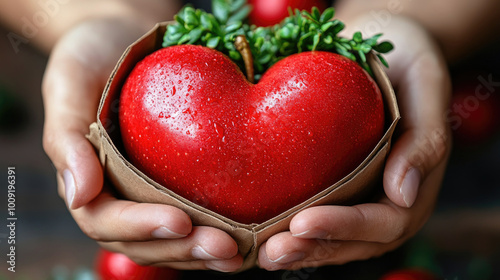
(242, 45)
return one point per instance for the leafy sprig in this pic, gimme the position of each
(301, 31)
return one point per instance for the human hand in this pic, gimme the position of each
(327, 235)
(149, 234)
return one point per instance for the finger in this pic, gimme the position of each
(229, 265)
(108, 219)
(374, 222)
(73, 82)
(78, 165)
(425, 138)
(283, 251)
(203, 243)
(70, 106)
(416, 153)
(423, 88)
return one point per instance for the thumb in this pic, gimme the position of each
(424, 141)
(79, 170)
(74, 80)
(413, 157)
(71, 90)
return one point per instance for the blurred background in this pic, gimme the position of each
(460, 241)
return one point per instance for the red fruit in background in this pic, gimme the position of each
(191, 121)
(115, 266)
(475, 114)
(271, 12)
(409, 274)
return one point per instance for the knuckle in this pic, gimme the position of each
(430, 149)
(48, 142)
(140, 260)
(400, 230)
(89, 230)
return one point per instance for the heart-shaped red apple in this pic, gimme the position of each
(191, 121)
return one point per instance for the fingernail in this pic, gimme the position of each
(69, 186)
(221, 266)
(199, 253)
(410, 185)
(289, 258)
(316, 234)
(165, 233)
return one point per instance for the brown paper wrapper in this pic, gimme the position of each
(132, 184)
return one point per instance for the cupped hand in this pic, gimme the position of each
(328, 235)
(149, 234)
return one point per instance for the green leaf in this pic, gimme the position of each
(213, 42)
(286, 32)
(233, 27)
(327, 15)
(190, 18)
(235, 55)
(384, 47)
(382, 59)
(328, 40)
(240, 15)
(365, 48)
(194, 35)
(316, 14)
(236, 5)
(316, 40)
(358, 38)
(367, 68)
(265, 59)
(184, 39)
(362, 56)
(326, 26)
(206, 22)
(372, 41)
(220, 10)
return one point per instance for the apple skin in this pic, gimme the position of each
(271, 12)
(191, 121)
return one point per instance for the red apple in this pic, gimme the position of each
(474, 114)
(192, 122)
(271, 12)
(409, 274)
(115, 266)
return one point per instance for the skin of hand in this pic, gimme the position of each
(149, 234)
(332, 235)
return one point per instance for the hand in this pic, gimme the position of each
(149, 234)
(328, 235)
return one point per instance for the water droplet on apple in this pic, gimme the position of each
(219, 130)
(161, 116)
(174, 90)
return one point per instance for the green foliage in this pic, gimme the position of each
(301, 31)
